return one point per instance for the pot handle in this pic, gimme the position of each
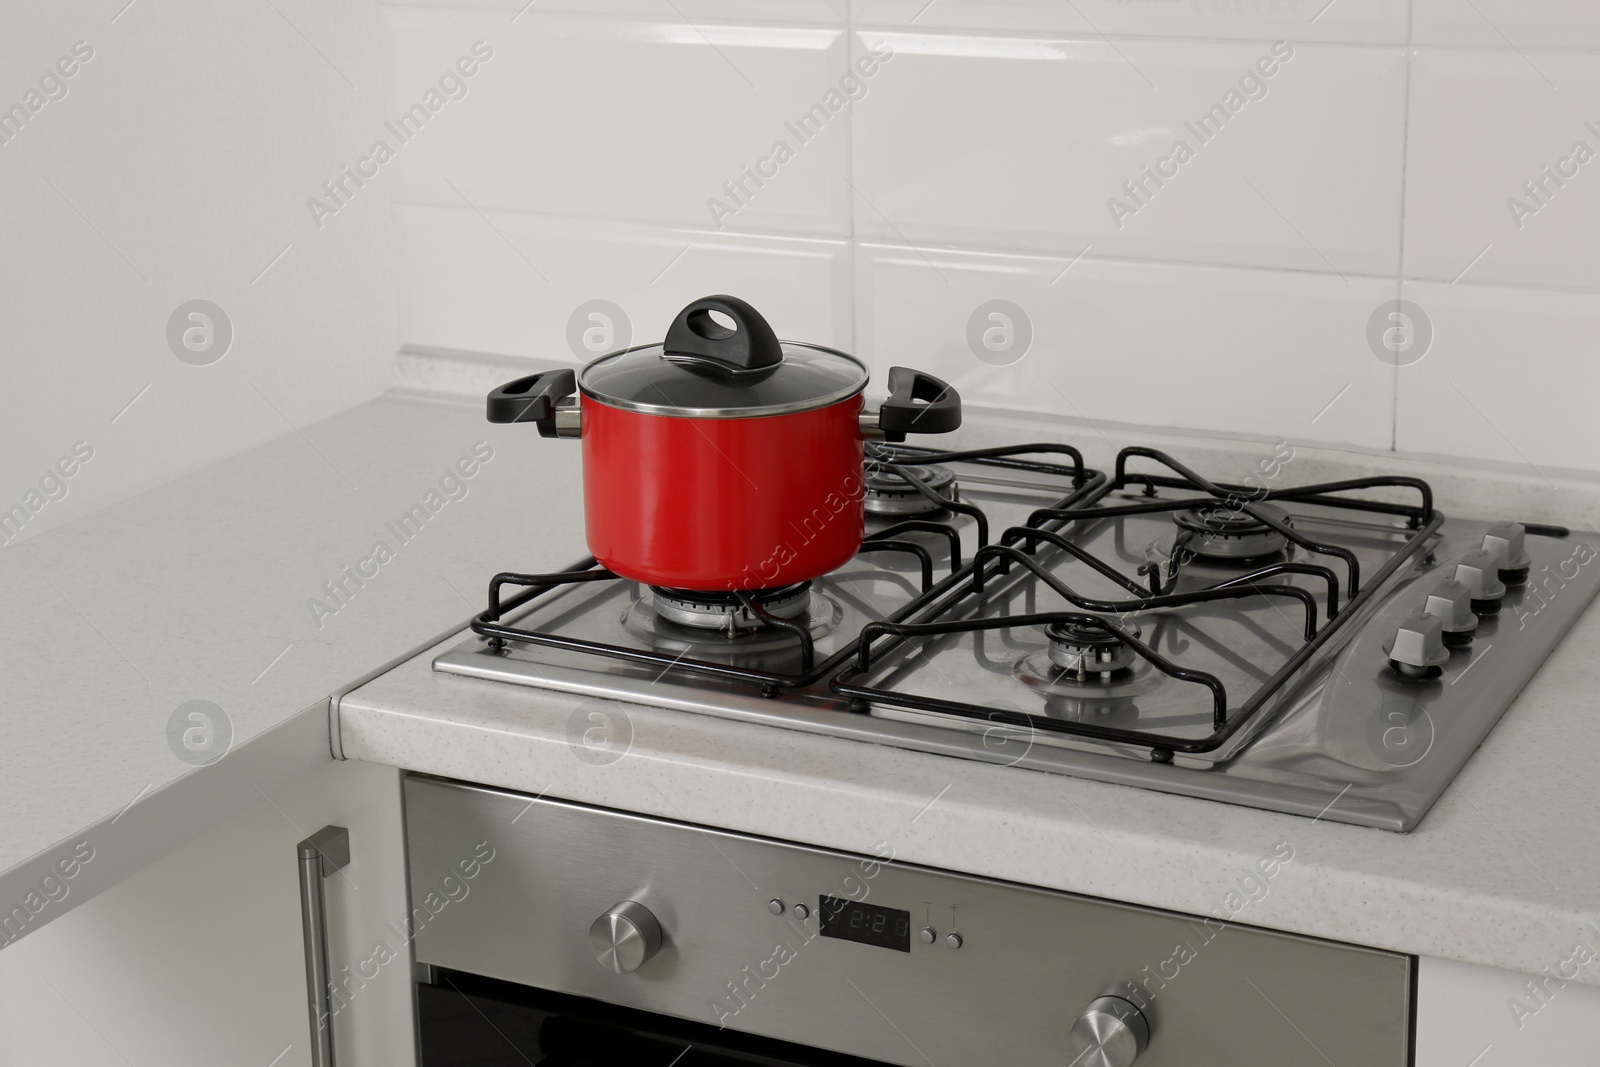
(533, 399)
(939, 412)
(696, 336)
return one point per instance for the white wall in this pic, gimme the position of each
(174, 163)
(177, 167)
(1376, 163)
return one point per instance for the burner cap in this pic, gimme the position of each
(889, 493)
(724, 611)
(1221, 532)
(1090, 648)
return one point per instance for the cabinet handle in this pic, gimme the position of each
(321, 854)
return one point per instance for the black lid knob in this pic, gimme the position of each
(748, 345)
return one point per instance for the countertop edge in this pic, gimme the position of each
(155, 824)
(682, 784)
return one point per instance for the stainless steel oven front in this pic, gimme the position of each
(575, 935)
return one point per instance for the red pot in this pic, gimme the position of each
(724, 458)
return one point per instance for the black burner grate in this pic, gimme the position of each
(1017, 459)
(1046, 536)
(1022, 546)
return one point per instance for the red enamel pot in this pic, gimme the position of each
(723, 458)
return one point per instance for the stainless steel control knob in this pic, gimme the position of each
(1479, 572)
(1111, 1032)
(1451, 603)
(626, 937)
(1504, 541)
(1417, 649)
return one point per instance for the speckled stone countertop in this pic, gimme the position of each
(200, 590)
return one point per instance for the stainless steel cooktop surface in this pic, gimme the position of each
(1330, 651)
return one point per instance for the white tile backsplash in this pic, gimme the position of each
(1227, 291)
(624, 118)
(1355, 21)
(1510, 377)
(475, 283)
(1028, 143)
(1522, 23)
(1484, 126)
(831, 12)
(1200, 348)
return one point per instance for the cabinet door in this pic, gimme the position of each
(198, 958)
(1488, 1017)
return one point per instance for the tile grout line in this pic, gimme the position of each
(852, 243)
(1400, 263)
(760, 238)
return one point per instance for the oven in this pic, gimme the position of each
(558, 934)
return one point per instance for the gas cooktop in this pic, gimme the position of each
(1335, 650)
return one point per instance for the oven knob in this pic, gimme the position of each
(1504, 542)
(626, 937)
(1417, 649)
(1451, 603)
(1111, 1032)
(1479, 571)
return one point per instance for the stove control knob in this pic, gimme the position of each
(1504, 542)
(626, 937)
(1111, 1032)
(1417, 650)
(1479, 571)
(1451, 603)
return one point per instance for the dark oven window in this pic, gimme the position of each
(468, 1021)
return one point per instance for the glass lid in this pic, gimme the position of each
(709, 369)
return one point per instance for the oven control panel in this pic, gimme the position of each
(866, 955)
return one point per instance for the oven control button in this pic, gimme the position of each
(802, 912)
(1111, 1032)
(626, 937)
(953, 940)
(1504, 542)
(1451, 603)
(1480, 572)
(1417, 649)
(928, 935)
(775, 906)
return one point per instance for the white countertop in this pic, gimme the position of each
(199, 590)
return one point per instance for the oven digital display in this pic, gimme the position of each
(865, 924)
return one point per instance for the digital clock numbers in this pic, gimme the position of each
(865, 924)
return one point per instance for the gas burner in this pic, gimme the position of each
(889, 494)
(1085, 649)
(1220, 532)
(725, 611)
(725, 633)
(1096, 691)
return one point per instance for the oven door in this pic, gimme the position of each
(468, 1021)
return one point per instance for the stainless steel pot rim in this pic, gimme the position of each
(670, 410)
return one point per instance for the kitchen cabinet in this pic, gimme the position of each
(1464, 1016)
(197, 960)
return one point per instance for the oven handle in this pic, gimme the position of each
(320, 855)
